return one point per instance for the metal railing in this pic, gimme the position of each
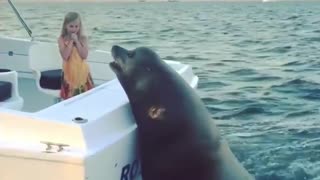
(21, 19)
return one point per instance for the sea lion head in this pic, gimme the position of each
(138, 72)
(134, 68)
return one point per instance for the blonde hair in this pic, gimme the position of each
(71, 16)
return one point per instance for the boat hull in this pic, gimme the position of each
(91, 136)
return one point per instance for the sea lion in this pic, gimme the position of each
(177, 139)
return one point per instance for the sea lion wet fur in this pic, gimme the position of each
(177, 138)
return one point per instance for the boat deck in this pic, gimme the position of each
(34, 100)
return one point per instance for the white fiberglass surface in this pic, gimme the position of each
(34, 100)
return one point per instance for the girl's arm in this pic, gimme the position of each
(82, 47)
(65, 50)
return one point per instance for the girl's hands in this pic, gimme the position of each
(74, 37)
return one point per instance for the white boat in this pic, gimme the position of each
(91, 136)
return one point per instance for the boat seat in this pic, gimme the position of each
(9, 94)
(46, 63)
(5, 87)
(5, 90)
(51, 79)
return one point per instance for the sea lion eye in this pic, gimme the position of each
(131, 54)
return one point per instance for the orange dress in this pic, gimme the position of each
(76, 77)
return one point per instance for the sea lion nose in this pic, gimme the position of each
(115, 47)
(118, 51)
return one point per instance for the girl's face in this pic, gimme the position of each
(73, 27)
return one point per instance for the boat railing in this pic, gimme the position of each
(20, 19)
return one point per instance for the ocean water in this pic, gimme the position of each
(258, 65)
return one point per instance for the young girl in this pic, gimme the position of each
(76, 77)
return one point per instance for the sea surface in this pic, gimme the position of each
(258, 64)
